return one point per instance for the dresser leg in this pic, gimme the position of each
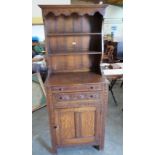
(54, 151)
(98, 147)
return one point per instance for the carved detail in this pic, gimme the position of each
(76, 96)
(79, 10)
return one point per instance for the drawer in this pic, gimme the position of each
(85, 87)
(76, 96)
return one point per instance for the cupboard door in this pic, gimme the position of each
(77, 125)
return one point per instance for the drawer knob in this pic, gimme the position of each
(60, 89)
(91, 96)
(55, 127)
(60, 98)
(91, 87)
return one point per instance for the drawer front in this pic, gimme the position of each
(88, 87)
(76, 97)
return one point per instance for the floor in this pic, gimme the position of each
(113, 135)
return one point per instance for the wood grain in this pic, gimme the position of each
(88, 123)
(67, 125)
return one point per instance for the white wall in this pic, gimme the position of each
(38, 30)
(114, 19)
(114, 12)
(36, 11)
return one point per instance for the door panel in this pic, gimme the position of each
(67, 125)
(88, 123)
(76, 125)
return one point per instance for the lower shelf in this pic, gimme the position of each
(72, 53)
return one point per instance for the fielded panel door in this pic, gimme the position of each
(77, 125)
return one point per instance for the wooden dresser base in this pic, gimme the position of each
(77, 109)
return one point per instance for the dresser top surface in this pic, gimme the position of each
(73, 78)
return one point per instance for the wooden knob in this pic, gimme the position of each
(60, 98)
(91, 87)
(55, 127)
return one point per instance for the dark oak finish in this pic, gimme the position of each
(76, 92)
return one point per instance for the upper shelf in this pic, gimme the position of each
(71, 34)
